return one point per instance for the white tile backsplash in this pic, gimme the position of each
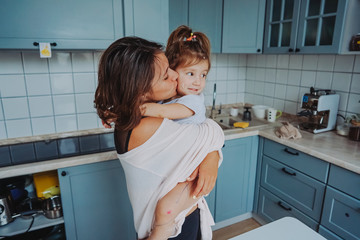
(41, 96)
(37, 84)
(12, 85)
(62, 83)
(64, 104)
(34, 64)
(10, 62)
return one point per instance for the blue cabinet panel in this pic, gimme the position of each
(82, 24)
(272, 208)
(341, 214)
(345, 180)
(236, 179)
(147, 19)
(95, 202)
(328, 234)
(243, 26)
(303, 162)
(206, 16)
(301, 191)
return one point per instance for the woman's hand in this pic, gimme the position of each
(206, 173)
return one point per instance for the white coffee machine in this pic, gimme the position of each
(320, 109)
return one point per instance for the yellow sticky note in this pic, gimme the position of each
(45, 50)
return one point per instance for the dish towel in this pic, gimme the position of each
(288, 131)
(167, 158)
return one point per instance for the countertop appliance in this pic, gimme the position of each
(320, 110)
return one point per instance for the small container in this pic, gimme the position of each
(354, 133)
(234, 111)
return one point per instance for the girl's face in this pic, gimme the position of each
(165, 80)
(192, 78)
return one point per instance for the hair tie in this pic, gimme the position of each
(191, 38)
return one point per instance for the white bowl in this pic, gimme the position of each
(259, 111)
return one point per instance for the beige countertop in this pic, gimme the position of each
(327, 146)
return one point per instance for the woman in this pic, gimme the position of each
(155, 153)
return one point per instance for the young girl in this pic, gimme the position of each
(189, 56)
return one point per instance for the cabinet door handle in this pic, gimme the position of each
(54, 44)
(63, 173)
(258, 50)
(288, 172)
(291, 50)
(292, 153)
(283, 207)
(297, 49)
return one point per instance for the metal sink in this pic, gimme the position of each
(226, 122)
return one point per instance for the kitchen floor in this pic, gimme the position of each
(235, 229)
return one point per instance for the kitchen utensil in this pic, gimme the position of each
(273, 114)
(234, 111)
(52, 207)
(259, 111)
(246, 114)
(6, 209)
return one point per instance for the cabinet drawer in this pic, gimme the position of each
(328, 234)
(272, 208)
(345, 180)
(341, 214)
(301, 191)
(305, 163)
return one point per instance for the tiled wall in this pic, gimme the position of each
(281, 80)
(41, 96)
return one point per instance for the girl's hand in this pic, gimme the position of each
(207, 174)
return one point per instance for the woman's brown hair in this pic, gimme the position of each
(185, 47)
(126, 72)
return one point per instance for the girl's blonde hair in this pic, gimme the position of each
(185, 47)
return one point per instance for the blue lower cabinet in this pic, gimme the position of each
(296, 188)
(328, 234)
(210, 199)
(272, 208)
(95, 202)
(236, 179)
(341, 214)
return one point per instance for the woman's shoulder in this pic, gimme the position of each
(144, 131)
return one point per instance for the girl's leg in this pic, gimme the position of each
(167, 208)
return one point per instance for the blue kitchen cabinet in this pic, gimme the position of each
(201, 15)
(147, 19)
(341, 213)
(243, 26)
(82, 24)
(289, 183)
(95, 202)
(308, 26)
(236, 178)
(206, 16)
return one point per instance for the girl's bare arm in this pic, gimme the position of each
(170, 111)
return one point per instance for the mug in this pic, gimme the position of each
(234, 111)
(273, 114)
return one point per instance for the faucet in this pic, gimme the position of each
(213, 105)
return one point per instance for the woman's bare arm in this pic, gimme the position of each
(170, 111)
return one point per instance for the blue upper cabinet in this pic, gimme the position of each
(206, 16)
(281, 26)
(310, 26)
(243, 26)
(81, 24)
(147, 19)
(201, 15)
